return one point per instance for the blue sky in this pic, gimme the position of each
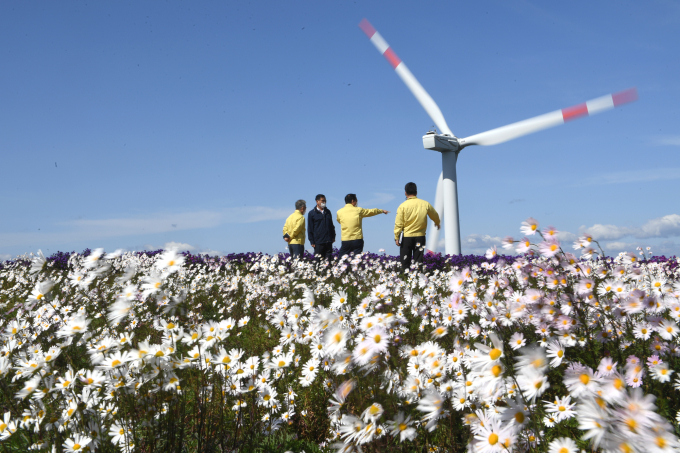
(136, 124)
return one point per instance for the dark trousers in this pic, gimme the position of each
(296, 250)
(356, 246)
(323, 250)
(412, 248)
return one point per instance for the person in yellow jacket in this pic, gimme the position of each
(294, 230)
(411, 219)
(349, 219)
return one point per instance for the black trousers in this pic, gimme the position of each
(323, 250)
(356, 246)
(296, 250)
(412, 249)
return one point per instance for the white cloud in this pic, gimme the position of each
(662, 227)
(565, 236)
(607, 232)
(669, 140)
(179, 246)
(150, 223)
(183, 247)
(668, 248)
(5, 257)
(162, 222)
(475, 243)
(482, 240)
(619, 247)
(95, 229)
(479, 243)
(209, 252)
(621, 177)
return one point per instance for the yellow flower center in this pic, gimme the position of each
(493, 439)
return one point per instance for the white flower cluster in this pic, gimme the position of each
(503, 355)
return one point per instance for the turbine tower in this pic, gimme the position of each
(446, 198)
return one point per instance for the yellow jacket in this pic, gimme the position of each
(412, 218)
(349, 219)
(295, 227)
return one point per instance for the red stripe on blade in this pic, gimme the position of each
(367, 28)
(392, 57)
(625, 96)
(577, 111)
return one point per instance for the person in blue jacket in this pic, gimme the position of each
(320, 228)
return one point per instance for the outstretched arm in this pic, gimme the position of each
(371, 212)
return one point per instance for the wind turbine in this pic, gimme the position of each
(446, 198)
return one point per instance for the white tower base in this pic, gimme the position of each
(450, 189)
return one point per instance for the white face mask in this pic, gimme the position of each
(322, 205)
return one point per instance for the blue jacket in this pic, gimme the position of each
(320, 228)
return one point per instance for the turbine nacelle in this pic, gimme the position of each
(440, 142)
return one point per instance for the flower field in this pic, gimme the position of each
(160, 351)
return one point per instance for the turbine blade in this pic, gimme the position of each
(406, 76)
(433, 239)
(537, 123)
